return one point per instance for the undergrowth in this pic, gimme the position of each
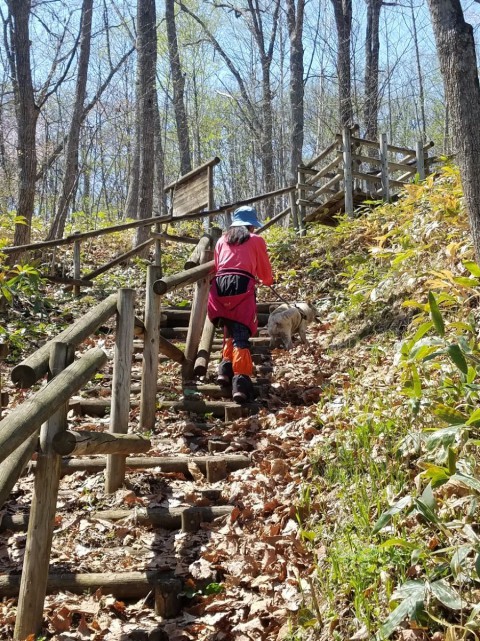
(393, 486)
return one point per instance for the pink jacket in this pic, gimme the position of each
(250, 256)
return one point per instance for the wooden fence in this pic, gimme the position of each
(353, 170)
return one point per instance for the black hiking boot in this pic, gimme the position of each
(225, 374)
(242, 389)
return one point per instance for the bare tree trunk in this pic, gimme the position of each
(458, 63)
(421, 90)
(343, 22)
(27, 115)
(372, 50)
(131, 206)
(147, 60)
(295, 18)
(266, 55)
(159, 163)
(178, 89)
(71, 167)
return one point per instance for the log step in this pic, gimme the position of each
(169, 519)
(99, 406)
(122, 585)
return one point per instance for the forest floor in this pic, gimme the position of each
(358, 516)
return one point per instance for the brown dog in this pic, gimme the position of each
(287, 320)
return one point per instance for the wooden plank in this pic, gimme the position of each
(26, 418)
(192, 174)
(148, 403)
(347, 171)
(367, 177)
(26, 373)
(33, 585)
(323, 153)
(120, 408)
(86, 443)
(384, 167)
(327, 186)
(327, 169)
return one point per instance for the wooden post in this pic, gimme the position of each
(197, 321)
(204, 349)
(76, 265)
(302, 211)
(208, 333)
(420, 158)
(347, 171)
(382, 143)
(122, 365)
(158, 248)
(33, 586)
(294, 211)
(3, 356)
(148, 395)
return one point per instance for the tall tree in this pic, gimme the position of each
(178, 89)
(343, 21)
(458, 63)
(71, 163)
(295, 17)
(18, 51)
(147, 61)
(372, 52)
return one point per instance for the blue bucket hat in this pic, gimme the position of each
(246, 216)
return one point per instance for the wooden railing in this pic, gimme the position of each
(352, 170)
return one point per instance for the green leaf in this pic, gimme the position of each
(396, 542)
(448, 596)
(438, 475)
(445, 436)
(474, 416)
(436, 315)
(466, 282)
(477, 565)
(408, 589)
(452, 461)
(386, 517)
(458, 559)
(427, 497)
(472, 267)
(449, 414)
(422, 330)
(426, 511)
(405, 610)
(457, 357)
(467, 480)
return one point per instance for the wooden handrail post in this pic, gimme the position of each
(122, 365)
(301, 197)
(420, 160)
(158, 248)
(382, 142)
(197, 321)
(148, 394)
(33, 586)
(347, 171)
(294, 211)
(76, 265)
(208, 332)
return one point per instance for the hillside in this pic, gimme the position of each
(359, 512)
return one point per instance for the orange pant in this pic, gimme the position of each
(240, 358)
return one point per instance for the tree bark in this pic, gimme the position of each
(147, 60)
(26, 114)
(343, 22)
(372, 50)
(178, 89)
(295, 18)
(71, 166)
(456, 52)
